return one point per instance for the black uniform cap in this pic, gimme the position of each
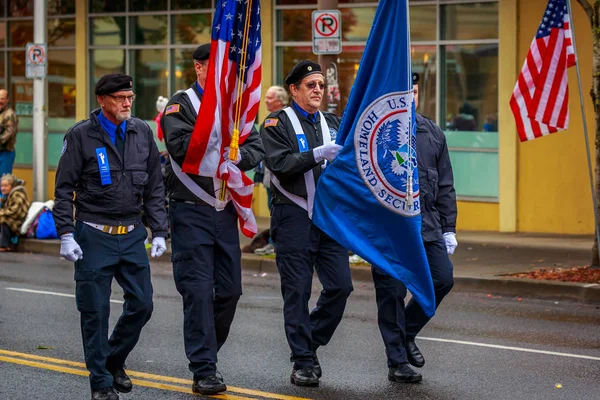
(415, 77)
(202, 52)
(111, 83)
(301, 70)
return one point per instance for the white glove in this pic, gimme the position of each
(326, 152)
(450, 240)
(158, 247)
(69, 248)
(226, 155)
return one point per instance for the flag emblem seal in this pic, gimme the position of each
(385, 145)
(333, 133)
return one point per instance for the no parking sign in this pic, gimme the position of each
(327, 32)
(36, 60)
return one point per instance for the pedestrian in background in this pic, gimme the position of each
(205, 241)
(297, 142)
(398, 325)
(161, 103)
(13, 210)
(276, 98)
(9, 126)
(109, 171)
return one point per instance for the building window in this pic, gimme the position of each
(16, 30)
(149, 67)
(455, 51)
(151, 40)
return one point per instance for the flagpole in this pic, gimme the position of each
(585, 128)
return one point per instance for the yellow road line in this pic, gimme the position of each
(145, 375)
(36, 364)
(138, 382)
(41, 358)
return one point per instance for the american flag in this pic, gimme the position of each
(540, 100)
(231, 99)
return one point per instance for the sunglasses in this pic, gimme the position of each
(313, 85)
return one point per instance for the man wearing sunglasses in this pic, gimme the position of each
(108, 172)
(299, 140)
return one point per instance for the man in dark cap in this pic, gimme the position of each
(398, 325)
(109, 171)
(299, 141)
(205, 241)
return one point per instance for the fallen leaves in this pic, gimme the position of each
(575, 274)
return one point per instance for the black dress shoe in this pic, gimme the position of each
(106, 393)
(304, 377)
(210, 384)
(121, 381)
(317, 368)
(404, 373)
(415, 358)
(317, 365)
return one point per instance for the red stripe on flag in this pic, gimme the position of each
(560, 63)
(564, 111)
(514, 106)
(540, 82)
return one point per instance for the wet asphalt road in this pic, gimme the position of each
(476, 347)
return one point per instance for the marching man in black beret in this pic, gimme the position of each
(299, 140)
(400, 325)
(108, 171)
(207, 258)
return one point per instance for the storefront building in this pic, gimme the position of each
(468, 53)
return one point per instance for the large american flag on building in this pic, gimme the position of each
(540, 100)
(231, 99)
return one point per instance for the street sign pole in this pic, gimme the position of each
(40, 109)
(326, 60)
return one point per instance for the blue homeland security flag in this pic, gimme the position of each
(368, 198)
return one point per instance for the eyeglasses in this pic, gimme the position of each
(313, 85)
(121, 99)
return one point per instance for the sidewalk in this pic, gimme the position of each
(482, 262)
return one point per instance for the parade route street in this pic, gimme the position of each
(477, 346)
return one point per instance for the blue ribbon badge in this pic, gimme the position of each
(103, 166)
(302, 143)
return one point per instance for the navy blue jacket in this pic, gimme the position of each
(136, 180)
(284, 158)
(438, 198)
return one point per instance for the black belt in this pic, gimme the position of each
(194, 202)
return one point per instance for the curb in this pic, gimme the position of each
(496, 285)
(530, 288)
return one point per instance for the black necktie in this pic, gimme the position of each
(120, 143)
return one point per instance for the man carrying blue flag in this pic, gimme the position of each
(370, 198)
(298, 142)
(438, 210)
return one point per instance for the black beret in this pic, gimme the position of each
(415, 77)
(111, 83)
(301, 70)
(202, 52)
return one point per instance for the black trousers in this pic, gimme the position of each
(301, 248)
(105, 257)
(207, 272)
(398, 324)
(5, 236)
